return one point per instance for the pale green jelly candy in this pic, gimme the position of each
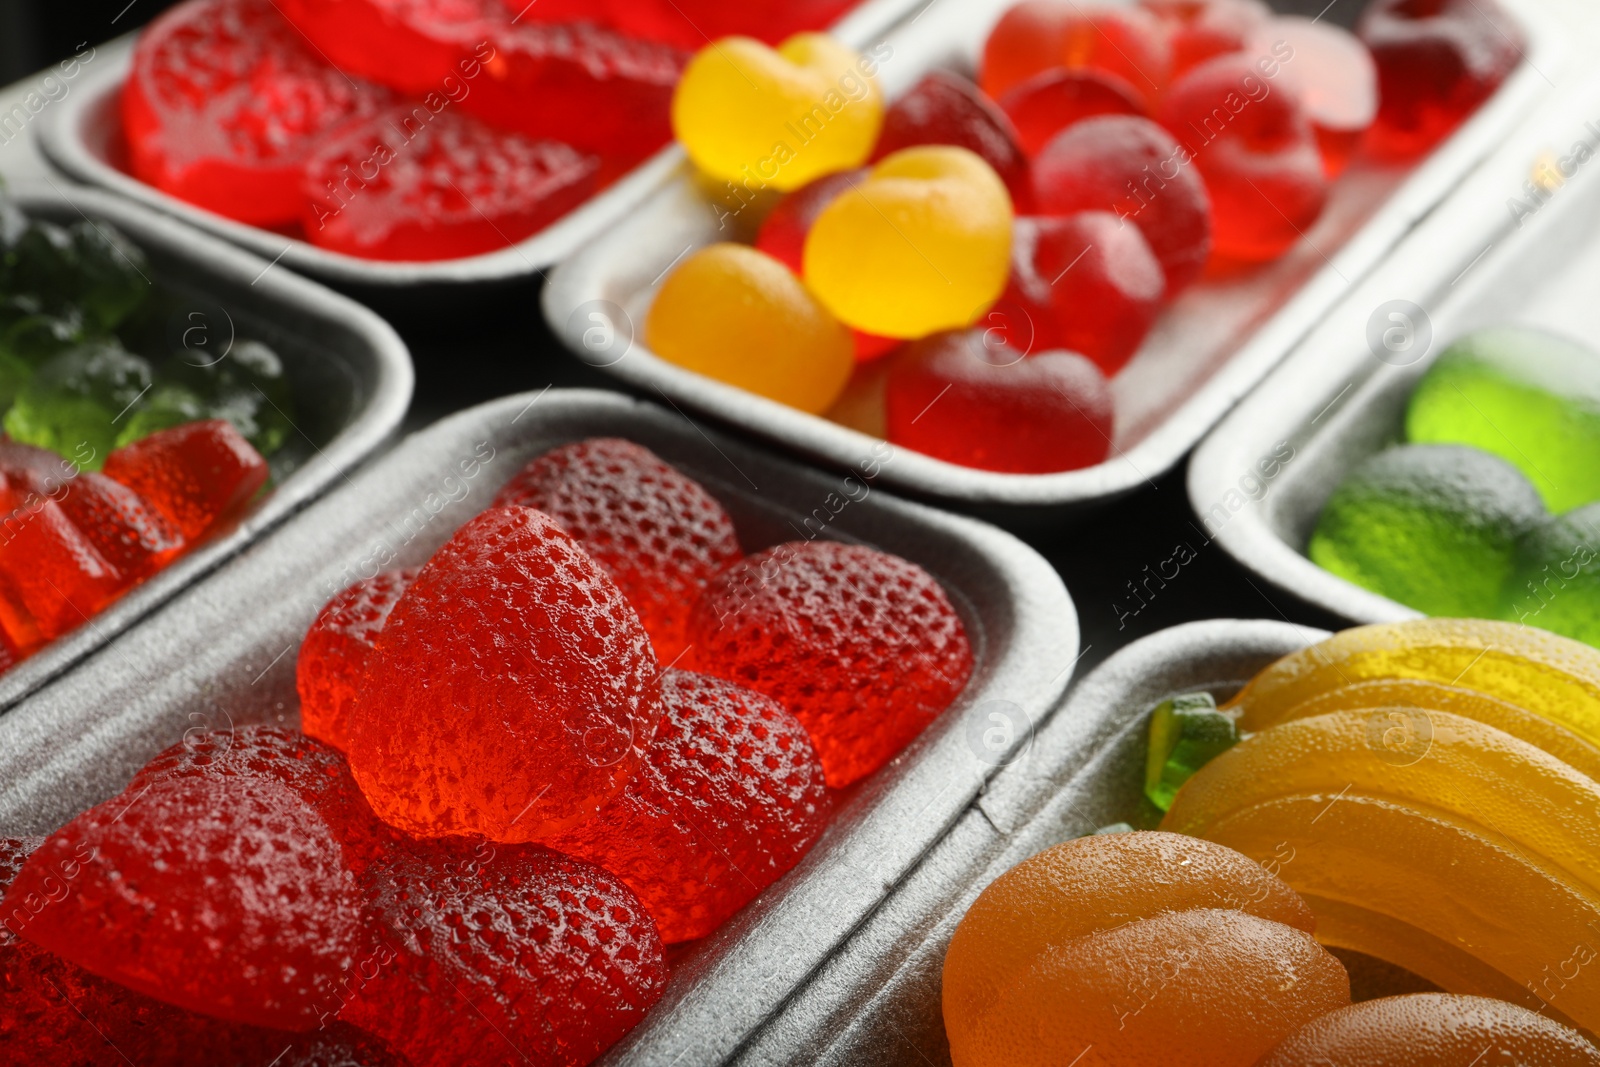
(75, 403)
(1186, 733)
(1432, 526)
(1555, 582)
(162, 408)
(1531, 398)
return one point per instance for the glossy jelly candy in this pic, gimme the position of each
(198, 475)
(691, 23)
(1431, 526)
(730, 796)
(1047, 103)
(657, 532)
(1036, 35)
(862, 646)
(51, 577)
(540, 697)
(739, 316)
(228, 897)
(1429, 1029)
(333, 658)
(779, 117)
(88, 271)
(1088, 282)
(226, 100)
(506, 953)
(410, 185)
(1204, 29)
(945, 108)
(73, 403)
(1555, 580)
(1437, 62)
(1135, 169)
(1331, 73)
(246, 385)
(953, 397)
(1258, 153)
(1529, 397)
(1119, 943)
(938, 268)
(1186, 733)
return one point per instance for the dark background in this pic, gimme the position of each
(35, 33)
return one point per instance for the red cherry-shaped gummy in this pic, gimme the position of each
(657, 532)
(1036, 35)
(1050, 101)
(507, 954)
(731, 795)
(1089, 282)
(1135, 169)
(198, 475)
(403, 187)
(1254, 145)
(512, 692)
(1204, 29)
(1437, 61)
(224, 103)
(333, 657)
(945, 108)
(1333, 75)
(862, 646)
(51, 576)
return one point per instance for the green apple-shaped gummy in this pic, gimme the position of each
(1555, 581)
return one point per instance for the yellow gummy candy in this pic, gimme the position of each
(777, 118)
(923, 244)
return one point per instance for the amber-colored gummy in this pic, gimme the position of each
(198, 475)
(512, 692)
(657, 532)
(864, 647)
(333, 657)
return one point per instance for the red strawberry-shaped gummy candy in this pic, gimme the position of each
(51, 577)
(512, 692)
(862, 646)
(508, 954)
(657, 532)
(1438, 60)
(1089, 283)
(409, 185)
(954, 398)
(197, 475)
(1036, 35)
(224, 103)
(945, 108)
(1136, 170)
(1050, 101)
(731, 795)
(227, 896)
(333, 657)
(1204, 29)
(1262, 165)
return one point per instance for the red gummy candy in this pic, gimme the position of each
(224, 896)
(691, 23)
(577, 83)
(1257, 151)
(657, 532)
(731, 795)
(1332, 74)
(953, 398)
(512, 692)
(1090, 284)
(198, 475)
(945, 108)
(1135, 169)
(333, 657)
(862, 646)
(508, 954)
(51, 577)
(1036, 35)
(1050, 101)
(226, 101)
(1204, 29)
(410, 185)
(1437, 60)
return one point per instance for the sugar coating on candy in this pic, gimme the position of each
(945, 108)
(512, 692)
(51, 576)
(864, 647)
(225, 896)
(512, 952)
(730, 796)
(333, 657)
(197, 475)
(657, 532)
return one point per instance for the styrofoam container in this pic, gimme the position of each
(225, 654)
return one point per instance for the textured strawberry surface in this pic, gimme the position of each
(197, 475)
(333, 657)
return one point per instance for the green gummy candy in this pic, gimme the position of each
(1186, 733)
(1555, 583)
(74, 403)
(165, 406)
(247, 387)
(87, 266)
(14, 374)
(1531, 398)
(1431, 526)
